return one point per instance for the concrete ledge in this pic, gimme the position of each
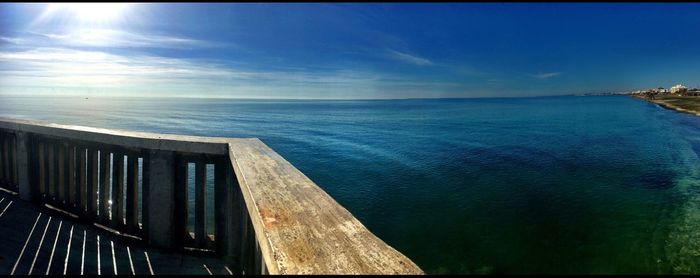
(129, 139)
(300, 228)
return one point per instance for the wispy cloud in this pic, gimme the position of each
(11, 40)
(61, 66)
(92, 37)
(79, 69)
(546, 75)
(408, 58)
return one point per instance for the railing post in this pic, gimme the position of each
(228, 213)
(24, 185)
(161, 198)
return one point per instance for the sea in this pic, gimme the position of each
(540, 185)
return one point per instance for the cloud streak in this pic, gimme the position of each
(408, 58)
(69, 69)
(107, 38)
(546, 75)
(11, 40)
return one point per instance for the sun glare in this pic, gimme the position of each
(91, 12)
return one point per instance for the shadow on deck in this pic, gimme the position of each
(40, 240)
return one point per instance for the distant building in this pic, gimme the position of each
(678, 89)
(693, 92)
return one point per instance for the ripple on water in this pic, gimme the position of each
(661, 180)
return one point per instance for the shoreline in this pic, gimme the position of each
(668, 106)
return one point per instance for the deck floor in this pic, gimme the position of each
(39, 240)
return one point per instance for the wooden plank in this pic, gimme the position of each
(105, 167)
(2, 159)
(137, 260)
(161, 199)
(48, 167)
(132, 194)
(249, 246)
(65, 251)
(55, 259)
(227, 211)
(264, 267)
(70, 180)
(59, 168)
(47, 170)
(242, 263)
(66, 175)
(56, 178)
(41, 154)
(81, 183)
(61, 171)
(13, 162)
(257, 265)
(180, 206)
(51, 189)
(58, 172)
(7, 163)
(23, 172)
(93, 177)
(5, 159)
(145, 188)
(286, 207)
(89, 262)
(74, 252)
(34, 171)
(200, 204)
(5, 182)
(240, 224)
(7, 156)
(118, 191)
(123, 264)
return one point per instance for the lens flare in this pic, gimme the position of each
(90, 12)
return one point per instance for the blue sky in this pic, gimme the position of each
(346, 51)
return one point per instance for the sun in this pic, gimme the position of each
(90, 12)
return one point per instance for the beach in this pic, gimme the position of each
(685, 104)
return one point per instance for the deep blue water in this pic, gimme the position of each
(512, 185)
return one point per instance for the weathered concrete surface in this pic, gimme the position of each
(129, 139)
(161, 199)
(22, 167)
(300, 228)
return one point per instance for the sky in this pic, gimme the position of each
(346, 51)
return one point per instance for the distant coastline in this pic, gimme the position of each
(690, 105)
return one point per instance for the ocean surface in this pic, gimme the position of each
(605, 184)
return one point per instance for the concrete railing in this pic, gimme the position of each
(267, 216)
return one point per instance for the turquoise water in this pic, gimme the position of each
(516, 185)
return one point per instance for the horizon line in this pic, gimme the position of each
(315, 99)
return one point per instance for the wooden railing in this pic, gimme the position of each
(264, 215)
(8, 154)
(88, 179)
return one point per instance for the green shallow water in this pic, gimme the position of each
(524, 185)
